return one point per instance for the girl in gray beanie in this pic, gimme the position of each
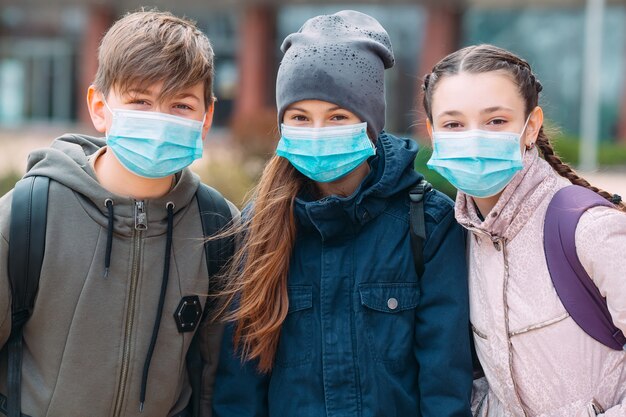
(330, 314)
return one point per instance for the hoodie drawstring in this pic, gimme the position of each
(107, 259)
(157, 320)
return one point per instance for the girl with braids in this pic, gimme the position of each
(332, 318)
(487, 131)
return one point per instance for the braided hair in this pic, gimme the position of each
(486, 58)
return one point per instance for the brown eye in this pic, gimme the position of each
(452, 125)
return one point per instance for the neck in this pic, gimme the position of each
(346, 185)
(115, 178)
(485, 205)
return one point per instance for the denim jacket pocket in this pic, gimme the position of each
(296, 334)
(389, 319)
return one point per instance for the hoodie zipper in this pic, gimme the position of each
(141, 225)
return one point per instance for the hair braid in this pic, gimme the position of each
(564, 170)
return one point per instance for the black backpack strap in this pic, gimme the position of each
(418, 223)
(215, 215)
(27, 239)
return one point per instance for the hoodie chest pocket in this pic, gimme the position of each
(388, 311)
(296, 334)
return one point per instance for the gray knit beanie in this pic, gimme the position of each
(341, 59)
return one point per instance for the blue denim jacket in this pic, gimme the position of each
(364, 336)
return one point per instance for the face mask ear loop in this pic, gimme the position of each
(524, 128)
(104, 100)
(522, 134)
(203, 121)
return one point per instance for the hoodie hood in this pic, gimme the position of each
(391, 172)
(66, 161)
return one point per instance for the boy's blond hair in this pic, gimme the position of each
(147, 47)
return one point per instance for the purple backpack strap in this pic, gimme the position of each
(577, 291)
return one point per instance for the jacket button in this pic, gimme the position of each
(392, 303)
(496, 244)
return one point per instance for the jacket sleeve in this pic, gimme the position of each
(442, 345)
(600, 243)
(240, 391)
(5, 287)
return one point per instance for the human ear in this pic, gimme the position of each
(208, 118)
(535, 122)
(97, 109)
(429, 129)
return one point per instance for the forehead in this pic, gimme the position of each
(469, 93)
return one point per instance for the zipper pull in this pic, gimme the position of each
(498, 243)
(141, 219)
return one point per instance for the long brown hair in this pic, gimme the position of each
(486, 58)
(254, 291)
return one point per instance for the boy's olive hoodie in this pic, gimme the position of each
(86, 343)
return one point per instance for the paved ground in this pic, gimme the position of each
(16, 144)
(611, 181)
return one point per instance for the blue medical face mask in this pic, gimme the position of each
(325, 154)
(478, 162)
(152, 144)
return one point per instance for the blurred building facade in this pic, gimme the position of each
(48, 52)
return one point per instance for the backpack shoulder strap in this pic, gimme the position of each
(215, 216)
(27, 238)
(418, 223)
(575, 288)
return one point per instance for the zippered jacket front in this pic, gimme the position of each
(86, 343)
(364, 335)
(537, 360)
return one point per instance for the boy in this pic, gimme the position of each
(124, 236)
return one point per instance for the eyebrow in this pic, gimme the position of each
(139, 91)
(186, 95)
(305, 111)
(181, 96)
(488, 110)
(453, 113)
(496, 109)
(296, 109)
